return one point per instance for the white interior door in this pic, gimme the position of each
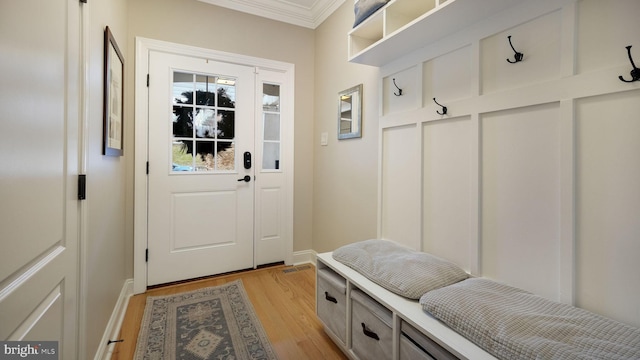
(39, 112)
(201, 189)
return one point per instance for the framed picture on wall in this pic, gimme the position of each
(113, 97)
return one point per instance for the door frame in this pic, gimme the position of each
(141, 100)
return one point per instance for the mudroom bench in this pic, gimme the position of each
(370, 322)
(367, 298)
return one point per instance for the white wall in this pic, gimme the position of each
(531, 178)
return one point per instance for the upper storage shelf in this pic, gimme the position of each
(402, 26)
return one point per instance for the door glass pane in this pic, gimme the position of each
(205, 123)
(271, 155)
(226, 92)
(182, 160)
(205, 90)
(271, 97)
(226, 124)
(203, 134)
(205, 161)
(270, 127)
(225, 160)
(182, 120)
(182, 88)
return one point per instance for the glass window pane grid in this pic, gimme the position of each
(271, 129)
(206, 89)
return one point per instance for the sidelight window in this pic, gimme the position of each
(271, 127)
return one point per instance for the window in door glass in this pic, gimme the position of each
(203, 123)
(271, 127)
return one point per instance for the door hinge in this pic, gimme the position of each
(146, 255)
(147, 168)
(82, 187)
(147, 80)
(83, 1)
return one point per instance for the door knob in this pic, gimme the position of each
(246, 178)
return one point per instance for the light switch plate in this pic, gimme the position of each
(324, 139)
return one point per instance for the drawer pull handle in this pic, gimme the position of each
(369, 333)
(330, 298)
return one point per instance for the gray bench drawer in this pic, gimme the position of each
(331, 302)
(411, 351)
(371, 333)
(416, 345)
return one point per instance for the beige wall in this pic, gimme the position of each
(195, 23)
(345, 171)
(104, 244)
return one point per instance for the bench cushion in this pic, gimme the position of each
(511, 323)
(399, 269)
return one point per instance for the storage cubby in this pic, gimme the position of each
(402, 26)
(366, 34)
(401, 13)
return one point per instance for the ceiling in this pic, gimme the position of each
(307, 13)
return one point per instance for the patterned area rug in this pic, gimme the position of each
(211, 323)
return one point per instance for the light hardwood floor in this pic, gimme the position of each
(284, 300)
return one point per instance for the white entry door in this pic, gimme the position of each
(201, 167)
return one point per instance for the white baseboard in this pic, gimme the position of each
(304, 257)
(115, 322)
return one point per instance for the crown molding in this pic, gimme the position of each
(292, 12)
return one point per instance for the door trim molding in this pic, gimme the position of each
(141, 100)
